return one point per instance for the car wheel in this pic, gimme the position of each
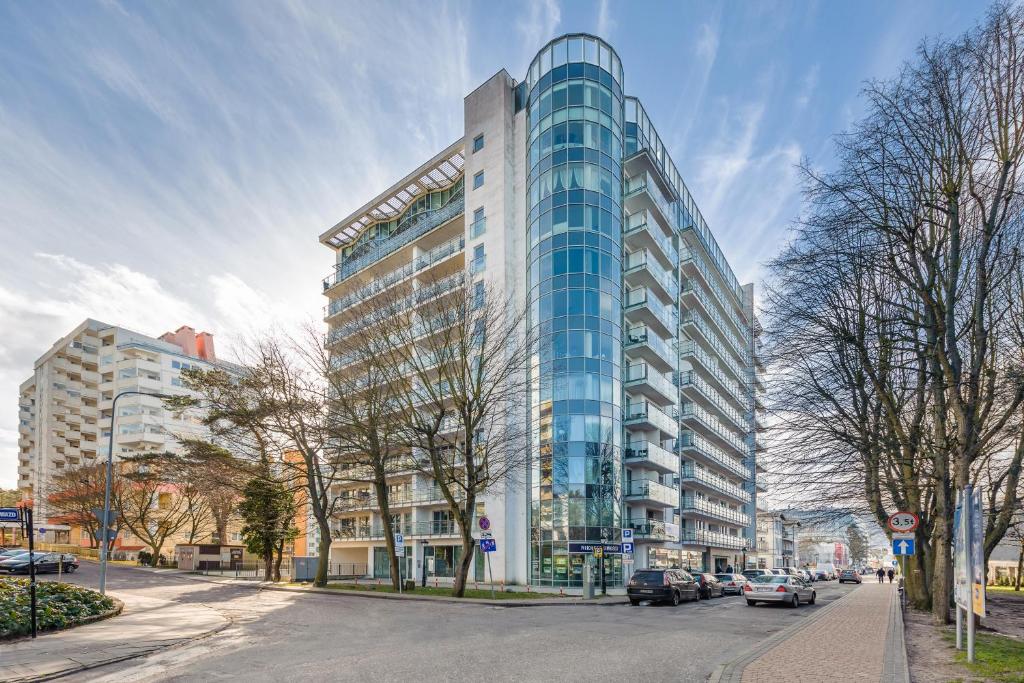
(634, 603)
(696, 597)
(796, 601)
(751, 603)
(814, 596)
(70, 570)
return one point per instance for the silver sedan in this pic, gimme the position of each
(788, 590)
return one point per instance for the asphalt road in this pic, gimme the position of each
(286, 636)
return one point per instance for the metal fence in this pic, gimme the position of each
(237, 570)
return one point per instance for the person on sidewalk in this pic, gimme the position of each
(891, 574)
(881, 575)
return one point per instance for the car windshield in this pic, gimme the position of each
(772, 579)
(648, 576)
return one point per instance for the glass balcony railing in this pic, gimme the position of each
(645, 183)
(646, 451)
(641, 297)
(691, 473)
(689, 378)
(379, 284)
(725, 304)
(691, 411)
(693, 352)
(648, 489)
(414, 228)
(642, 259)
(478, 227)
(653, 530)
(641, 413)
(714, 340)
(642, 373)
(691, 441)
(712, 538)
(642, 335)
(706, 507)
(643, 220)
(742, 346)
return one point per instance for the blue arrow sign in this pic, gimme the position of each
(903, 546)
(10, 515)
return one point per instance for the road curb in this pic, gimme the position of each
(895, 668)
(732, 672)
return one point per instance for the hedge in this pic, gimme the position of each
(58, 606)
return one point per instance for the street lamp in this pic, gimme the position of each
(104, 523)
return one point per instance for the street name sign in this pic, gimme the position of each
(488, 545)
(10, 515)
(903, 521)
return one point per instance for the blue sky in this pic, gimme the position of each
(173, 163)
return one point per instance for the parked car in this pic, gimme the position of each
(8, 553)
(662, 585)
(754, 573)
(44, 563)
(732, 583)
(820, 575)
(850, 575)
(788, 590)
(805, 575)
(710, 587)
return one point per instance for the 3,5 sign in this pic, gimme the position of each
(903, 522)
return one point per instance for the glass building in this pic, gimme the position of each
(643, 401)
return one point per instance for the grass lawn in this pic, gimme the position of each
(443, 592)
(995, 657)
(1005, 589)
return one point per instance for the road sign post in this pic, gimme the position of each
(487, 546)
(400, 553)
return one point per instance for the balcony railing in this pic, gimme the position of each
(379, 284)
(641, 451)
(641, 297)
(706, 507)
(653, 530)
(728, 356)
(692, 350)
(690, 473)
(691, 379)
(695, 290)
(690, 257)
(642, 373)
(412, 229)
(691, 411)
(644, 183)
(641, 259)
(652, 490)
(642, 335)
(713, 539)
(691, 441)
(650, 413)
(642, 220)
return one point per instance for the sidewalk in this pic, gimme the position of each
(152, 624)
(862, 632)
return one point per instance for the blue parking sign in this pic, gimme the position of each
(627, 548)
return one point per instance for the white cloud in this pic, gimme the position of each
(537, 26)
(605, 23)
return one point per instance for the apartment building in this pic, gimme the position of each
(777, 540)
(644, 382)
(65, 407)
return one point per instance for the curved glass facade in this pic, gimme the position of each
(574, 200)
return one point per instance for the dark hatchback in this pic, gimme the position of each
(662, 585)
(710, 586)
(44, 563)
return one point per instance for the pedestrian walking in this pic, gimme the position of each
(728, 570)
(881, 575)
(891, 574)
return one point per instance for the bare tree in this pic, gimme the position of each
(74, 494)
(459, 351)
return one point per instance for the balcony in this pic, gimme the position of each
(695, 446)
(708, 366)
(714, 539)
(696, 417)
(650, 492)
(641, 193)
(642, 231)
(707, 480)
(643, 308)
(696, 327)
(695, 388)
(692, 505)
(648, 417)
(642, 380)
(653, 530)
(642, 343)
(643, 270)
(434, 257)
(695, 265)
(407, 232)
(651, 455)
(694, 298)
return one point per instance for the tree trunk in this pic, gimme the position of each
(942, 578)
(381, 489)
(278, 556)
(324, 559)
(268, 564)
(466, 561)
(1020, 565)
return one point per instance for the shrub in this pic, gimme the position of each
(58, 605)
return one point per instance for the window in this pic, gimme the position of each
(479, 223)
(478, 180)
(478, 295)
(478, 143)
(477, 264)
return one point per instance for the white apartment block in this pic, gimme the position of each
(65, 407)
(645, 390)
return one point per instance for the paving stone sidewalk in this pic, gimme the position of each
(864, 632)
(146, 624)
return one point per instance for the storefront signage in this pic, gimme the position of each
(588, 548)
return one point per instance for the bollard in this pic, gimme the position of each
(561, 592)
(436, 584)
(378, 582)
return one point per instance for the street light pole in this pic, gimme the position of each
(104, 523)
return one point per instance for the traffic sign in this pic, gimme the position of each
(40, 531)
(484, 523)
(627, 548)
(488, 545)
(111, 535)
(903, 521)
(627, 535)
(111, 516)
(10, 515)
(903, 546)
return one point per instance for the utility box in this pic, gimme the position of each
(588, 581)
